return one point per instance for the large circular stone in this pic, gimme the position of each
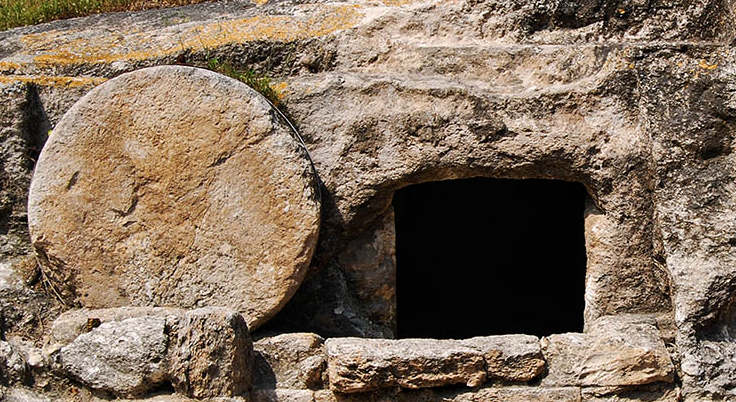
(174, 186)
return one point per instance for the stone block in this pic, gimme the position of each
(360, 365)
(295, 361)
(500, 394)
(210, 353)
(647, 393)
(125, 357)
(510, 357)
(618, 351)
(205, 352)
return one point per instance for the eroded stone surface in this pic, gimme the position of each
(635, 100)
(282, 395)
(652, 393)
(505, 394)
(295, 361)
(204, 352)
(360, 365)
(618, 351)
(69, 325)
(210, 353)
(126, 357)
(185, 191)
(510, 357)
(13, 366)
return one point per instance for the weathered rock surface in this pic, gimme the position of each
(652, 393)
(618, 351)
(369, 262)
(13, 366)
(505, 394)
(636, 100)
(205, 352)
(186, 191)
(24, 306)
(360, 365)
(510, 357)
(282, 395)
(19, 394)
(295, 361)
(210, 353)
(126, 357)
(69, 325)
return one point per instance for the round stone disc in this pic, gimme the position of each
(174, 186)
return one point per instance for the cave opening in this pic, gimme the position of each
(487, 256)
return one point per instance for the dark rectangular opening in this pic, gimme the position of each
(489, 256)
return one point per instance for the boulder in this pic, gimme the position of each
(174, 186)
(295, 361)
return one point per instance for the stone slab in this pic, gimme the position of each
(174, 186)
(361, 365)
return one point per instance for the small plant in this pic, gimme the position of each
(256, 80)
(16, 13)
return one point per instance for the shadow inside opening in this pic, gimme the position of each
(489, 256)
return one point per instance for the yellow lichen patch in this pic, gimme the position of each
(260, 2)
(706, 66)
(137, 46)
(8, 65)
(280, 89)
(66, 82)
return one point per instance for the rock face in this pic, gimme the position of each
(174, 186)
(203, 353)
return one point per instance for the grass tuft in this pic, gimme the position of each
(256, 80)
(16, 13)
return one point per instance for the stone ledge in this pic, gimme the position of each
(360, 365)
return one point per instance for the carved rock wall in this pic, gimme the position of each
(636, 100)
